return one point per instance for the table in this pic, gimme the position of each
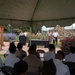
(39, 42)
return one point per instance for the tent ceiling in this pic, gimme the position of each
(17, 9)
(36, 10)
(55, 9)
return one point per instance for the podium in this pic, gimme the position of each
(22, 39)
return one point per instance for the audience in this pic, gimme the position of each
(20, 53)
(49, 68)
(34, 47)
(34, 64)
(8, 52)
(11, 59)
(60, 55)
(61, 69)
(50, 55)
(20, 68)
(71, 57)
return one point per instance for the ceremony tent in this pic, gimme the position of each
(37, 12)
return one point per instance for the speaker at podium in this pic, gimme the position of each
(22, 39)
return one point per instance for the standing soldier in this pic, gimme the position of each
(55, 37)
(38, 35)
(49, 35)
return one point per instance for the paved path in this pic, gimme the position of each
(25, 48)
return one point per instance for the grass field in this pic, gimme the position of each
(2, 57)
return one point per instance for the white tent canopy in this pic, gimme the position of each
(70, 27)
(44, 28)
(37, 12)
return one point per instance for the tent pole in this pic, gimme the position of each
(30, 32)
(37, 4)
(30, 35)
(72, 29)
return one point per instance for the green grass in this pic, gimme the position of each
(2, 57)
(57, 46)
(17, 38)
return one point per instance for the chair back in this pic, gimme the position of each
(49, 68)
(7, 70)
(71, 66)
(40, 51)
(30, 73)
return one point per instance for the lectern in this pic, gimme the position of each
(22, 39)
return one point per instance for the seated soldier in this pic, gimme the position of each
(71, 57)
(50, 54)
(11, 59)
(8, 52)
(34, 64)
(20, 68)
(20, 53)
(61, 69)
